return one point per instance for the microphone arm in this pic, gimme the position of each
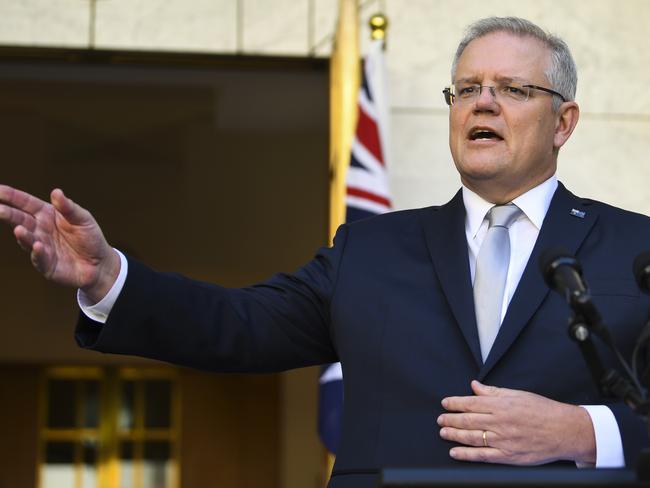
(610, 382)
(563, 274)
(581, 304)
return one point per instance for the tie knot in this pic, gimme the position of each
(503, 215)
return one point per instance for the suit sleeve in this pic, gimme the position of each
(634, 432)
(279, 324)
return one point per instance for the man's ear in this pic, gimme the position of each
(567, 118)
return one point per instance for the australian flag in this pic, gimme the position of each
(366, 195)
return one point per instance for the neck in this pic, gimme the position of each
(500, 193)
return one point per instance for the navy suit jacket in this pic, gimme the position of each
(392, 300)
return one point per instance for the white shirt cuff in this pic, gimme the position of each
(100, 310)
(609, 447)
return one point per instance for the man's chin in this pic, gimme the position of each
(481, 170)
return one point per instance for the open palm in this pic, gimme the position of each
(65, 242)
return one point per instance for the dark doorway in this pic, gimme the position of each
(215, 167)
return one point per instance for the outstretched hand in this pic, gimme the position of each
(500, 425)
(63, 239)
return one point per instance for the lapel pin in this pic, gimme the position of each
(578, 213)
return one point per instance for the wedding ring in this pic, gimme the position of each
(485, 443)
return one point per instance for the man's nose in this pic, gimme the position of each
(486, 99)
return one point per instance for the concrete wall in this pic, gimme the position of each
(605, 159)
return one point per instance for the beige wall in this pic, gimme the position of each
(605, 159)
(221, 26)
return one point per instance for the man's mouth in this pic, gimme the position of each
(484, 134)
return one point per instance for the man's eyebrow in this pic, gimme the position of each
(510, 79)
(499, 79)
(470, 79)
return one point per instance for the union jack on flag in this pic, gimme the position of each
(367, 179)
(366, 195)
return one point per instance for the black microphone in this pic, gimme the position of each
(562, 272)
(641, 269)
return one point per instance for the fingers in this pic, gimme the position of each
(480, 389)
(476, 404)
(486, 390)
(509, 420)
(486, 399)
(470, 421)
(18, 207)
(40, 259)
(469, 437)
(478, 454)
(20, 200)
(14, 217)
(73, 213)
(477, 446)
(38, 253)
(24, 238)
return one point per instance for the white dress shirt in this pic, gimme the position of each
(523, 234)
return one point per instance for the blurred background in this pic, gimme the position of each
(198, 134)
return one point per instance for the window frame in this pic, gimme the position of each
(108, 435)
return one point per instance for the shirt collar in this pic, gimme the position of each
(534, 204)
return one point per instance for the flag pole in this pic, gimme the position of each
(345, 80)
(344, 84)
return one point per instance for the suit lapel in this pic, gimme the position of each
(567, 223)
(444, 229)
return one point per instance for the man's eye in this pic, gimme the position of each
(467, 90)
(514, 91)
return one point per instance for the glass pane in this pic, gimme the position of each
(157, 402)
(89, 468)
(91, 403)
(126, 464)
(62, 404)
(58, 470)
(89, 477)
(156, 465)
(127, 408)
(59, 452)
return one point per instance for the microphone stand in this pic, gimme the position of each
(563, 273)
(610, 382)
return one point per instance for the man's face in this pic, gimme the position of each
(522, 154)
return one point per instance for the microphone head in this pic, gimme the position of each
(641, 269)
(552, 258)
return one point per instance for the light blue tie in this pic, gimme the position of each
(491, 272)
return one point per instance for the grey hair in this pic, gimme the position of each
(561, 73)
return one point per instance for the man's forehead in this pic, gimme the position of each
(503, 55)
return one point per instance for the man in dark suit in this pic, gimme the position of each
(419, 306)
